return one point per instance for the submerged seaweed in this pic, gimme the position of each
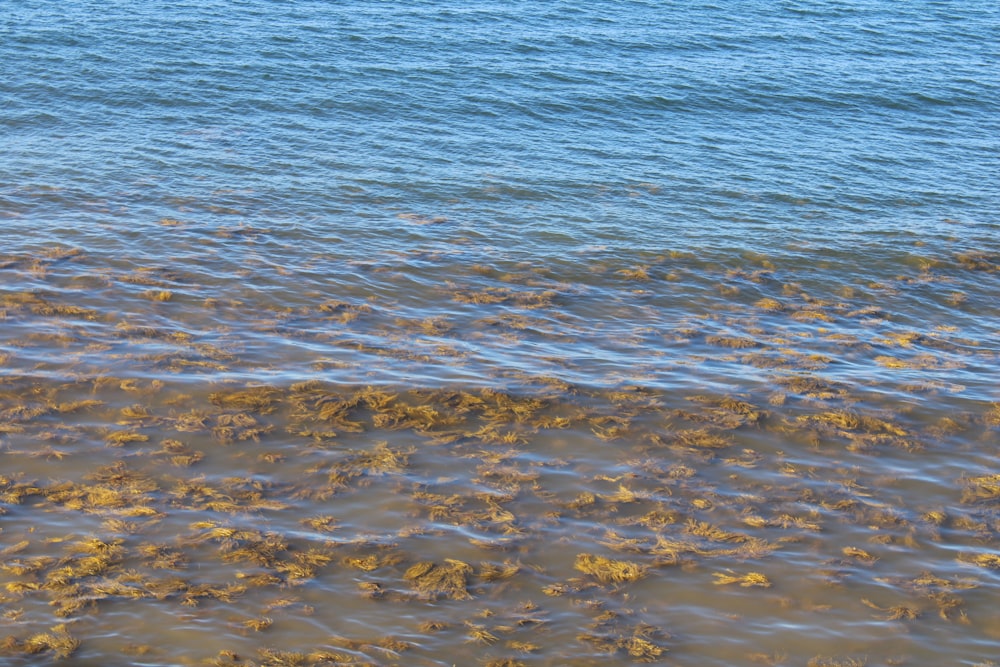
(173, 467)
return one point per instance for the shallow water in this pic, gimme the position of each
(530, 334)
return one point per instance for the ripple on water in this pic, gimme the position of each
(648, 334)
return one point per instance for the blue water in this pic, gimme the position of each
(641, 211)
(527, 121)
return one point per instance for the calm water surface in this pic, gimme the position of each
(499, 334)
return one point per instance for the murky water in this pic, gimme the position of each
(532, 335)
(435, 458)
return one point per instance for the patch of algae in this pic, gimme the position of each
(128, 456)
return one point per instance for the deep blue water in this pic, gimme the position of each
(531, 122)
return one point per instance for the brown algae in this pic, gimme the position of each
(167, 466)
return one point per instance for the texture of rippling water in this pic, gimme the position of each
(502, 334)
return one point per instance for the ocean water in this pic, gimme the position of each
(519, 333)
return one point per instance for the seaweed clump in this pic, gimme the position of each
(433, 581)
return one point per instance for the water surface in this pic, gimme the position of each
(532, 333)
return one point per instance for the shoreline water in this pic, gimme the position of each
(377, 333)
(380, 481)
